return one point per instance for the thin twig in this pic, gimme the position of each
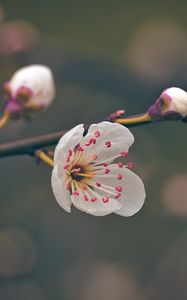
(30, 145)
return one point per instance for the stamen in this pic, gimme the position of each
(68, 186)
(76, 193)
(97, 134)
(119, 188)
(91, 141)
(70, 152)
(79, 148)
(130, 165)
(68, 159)
(123, 153)
(105, 199)
(118, 196)
(98, 184)
(86, 198)
(94, 157)
(66, 166)
(107, 171)
(105, 164)
(108, 144)
(83, 187)
(89, 175)
(120, 165)
(93, 199)
(120, 176)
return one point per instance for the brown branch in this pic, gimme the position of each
(30, 145)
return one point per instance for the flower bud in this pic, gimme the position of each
(30, 89)
(171, 105)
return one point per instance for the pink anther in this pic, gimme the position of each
(118, 196)
(94, 157)
(119, 188)
(76, 193)
(130, 165)
(107, 171)
(123, 153)
(120, 176)
(105, 199)
(97, 134)
(86, 198)
(120, 165)
(108, 144)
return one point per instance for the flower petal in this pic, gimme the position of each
(112, 140)
(122, 185)
(96, 208)
(134, 194)
(59, 189)
(68, 141)
(37, 78)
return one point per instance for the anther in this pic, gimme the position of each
(79, 148)
(107, 171)
(68, 186)
(70, 152)
(130, 165)
(94, 157)
(91, 141)
(123, 153)
(93, 199)
(66, 166)
(120, 176)
(105, 199)
(86, 198)
(97, 134)
(118, 196)
(108, 144)
(119, 188)
(104, 164)
(98, 184)
(68, 159)
(120, 165)
(76, 193)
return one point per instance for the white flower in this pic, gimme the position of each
(31, 88)
(86, 175)
(176, 100)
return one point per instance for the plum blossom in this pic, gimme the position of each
(87, 175)
(172, 104)
(31, 89)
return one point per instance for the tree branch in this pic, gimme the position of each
(30, 145)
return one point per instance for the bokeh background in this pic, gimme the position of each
(105, 55)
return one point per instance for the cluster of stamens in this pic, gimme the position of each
(83, 172)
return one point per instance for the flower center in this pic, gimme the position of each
(77, 173)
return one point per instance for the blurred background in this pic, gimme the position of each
(105, 55)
